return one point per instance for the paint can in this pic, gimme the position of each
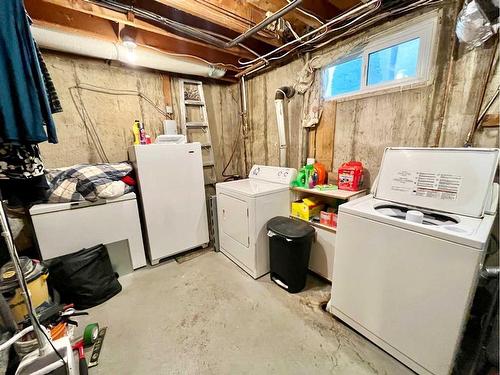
(36, 277)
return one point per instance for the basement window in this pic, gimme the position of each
(401, 57)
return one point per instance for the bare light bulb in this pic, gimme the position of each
(130, 46)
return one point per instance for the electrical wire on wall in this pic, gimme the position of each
(89, 124)
(201, 34)
(228, 177)
(354, 23)
(307, 13)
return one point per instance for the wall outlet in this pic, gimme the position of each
(168, 109)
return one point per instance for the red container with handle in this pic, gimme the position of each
(350, 176)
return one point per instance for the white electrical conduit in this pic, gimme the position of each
(145, 57)
(323, 34)
(307, 13)
(313, 32)
(372, 20)
(413, 6)
(280, 119)
(282, 94)
(14, 338)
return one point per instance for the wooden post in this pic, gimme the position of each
(167, 90)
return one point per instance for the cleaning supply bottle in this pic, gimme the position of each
(137, 133)
(142, 134)
(300, 180)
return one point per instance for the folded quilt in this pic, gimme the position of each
(88, 182)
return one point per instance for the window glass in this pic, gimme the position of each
(393, 63)
(343, 78)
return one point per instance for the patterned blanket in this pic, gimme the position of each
(88, 182)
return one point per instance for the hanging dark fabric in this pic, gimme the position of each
(25, 114)
(24, 193)
(55, 104)
(22, 179)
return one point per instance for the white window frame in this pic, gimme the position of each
(423, 27)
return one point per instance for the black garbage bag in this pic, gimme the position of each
(84, 278)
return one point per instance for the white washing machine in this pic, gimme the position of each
(244, 208)
(407, 257)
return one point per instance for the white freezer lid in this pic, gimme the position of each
(44, 208)
(454, 180)
(251, 188)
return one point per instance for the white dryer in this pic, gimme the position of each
(407, 257)
(244, 207)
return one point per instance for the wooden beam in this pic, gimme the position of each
(167, 89)
(231, 14)
(344, 4)
(323, 9)
(298, 20)
(43, 10)
(143, 38)
(491, 120)
(321, 139)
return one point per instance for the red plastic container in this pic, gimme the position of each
(350, 176)
(328, 218)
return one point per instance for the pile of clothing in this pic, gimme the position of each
(90, 182)
(27, 101)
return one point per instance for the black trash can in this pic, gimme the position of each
(289, 249)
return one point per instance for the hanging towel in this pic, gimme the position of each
(25, 115)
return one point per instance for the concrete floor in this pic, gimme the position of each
(206, 316)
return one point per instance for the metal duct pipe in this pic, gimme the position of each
(334, 20)
(267, 21)
(285, 92)
(197, 33)
(87, 46)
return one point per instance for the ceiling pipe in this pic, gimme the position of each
(145, 57)
(195, 32)
(265, 22)
(334, 20)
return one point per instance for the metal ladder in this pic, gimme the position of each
(197, 129)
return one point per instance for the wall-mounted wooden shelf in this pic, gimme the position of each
(317, 225)
(337, 194)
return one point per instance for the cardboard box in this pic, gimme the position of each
(307, 208)
(328, 218)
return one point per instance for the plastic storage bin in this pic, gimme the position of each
(289, 249)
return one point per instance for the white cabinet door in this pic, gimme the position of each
(322, 253)
(173, 197)
(234, 213)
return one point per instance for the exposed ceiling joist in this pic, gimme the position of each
(235, 15)
(298, 19)
(41, 10)
(223, 19)
(273, 6)
(344, 4)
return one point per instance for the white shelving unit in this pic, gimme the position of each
(323, 248)
(336, 194)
